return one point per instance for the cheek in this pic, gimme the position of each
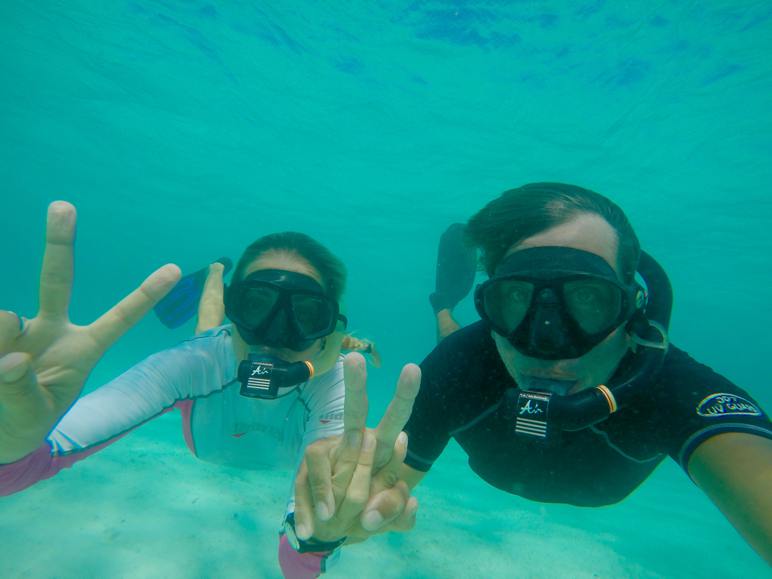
(602, 361)
(313, 350)
(507, 353)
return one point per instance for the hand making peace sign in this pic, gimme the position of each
(348, 486)
(45, 361)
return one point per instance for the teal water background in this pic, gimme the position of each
(184, 130)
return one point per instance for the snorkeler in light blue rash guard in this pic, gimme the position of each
(199, 377)
(253, 394)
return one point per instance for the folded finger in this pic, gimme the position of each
(19, 396)
(57, 271)
(11, 326)
(320, 480)
(304, 520)
(406, 521)
(113, 324)
(398, 412)
(346, 458)
(358, 491)
(388, 475)
(211, 307)
(385, 507)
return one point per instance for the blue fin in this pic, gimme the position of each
(181, 304)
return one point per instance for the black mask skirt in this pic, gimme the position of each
(556, 303)
(281, 309)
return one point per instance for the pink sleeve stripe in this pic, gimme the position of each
(296, 565)
(41, 464)
(186, 409)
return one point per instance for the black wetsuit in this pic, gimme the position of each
(462, 393)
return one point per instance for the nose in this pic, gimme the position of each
(278, 330)
(547, 334)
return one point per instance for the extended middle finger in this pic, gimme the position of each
(355, 404)
(57, 271)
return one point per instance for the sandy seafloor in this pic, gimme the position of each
(145, 507)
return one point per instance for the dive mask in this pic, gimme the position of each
(281, 309)
(556, 303)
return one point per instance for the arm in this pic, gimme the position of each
(196, 367)
(735, 470)
(45, 361)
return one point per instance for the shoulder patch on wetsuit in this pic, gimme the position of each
(724, 404)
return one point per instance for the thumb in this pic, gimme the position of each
(211, 309)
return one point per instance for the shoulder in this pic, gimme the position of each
(686, 381)
(464, 364)
(693, 403)
(209, 355)
(326, 388)
(459, 350)
(217, 341)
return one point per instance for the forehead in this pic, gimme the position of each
(284, 260)
(587, 231)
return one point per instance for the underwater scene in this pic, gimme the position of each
(183, 131)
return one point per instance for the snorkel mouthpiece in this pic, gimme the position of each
(262, 376)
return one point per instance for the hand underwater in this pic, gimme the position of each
(348, 486)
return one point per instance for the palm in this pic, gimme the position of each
(45, 364)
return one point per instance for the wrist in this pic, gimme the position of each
(314, 544)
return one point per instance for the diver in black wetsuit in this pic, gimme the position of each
(567, 389)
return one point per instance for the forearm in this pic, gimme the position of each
(735, 471)
(411, 476)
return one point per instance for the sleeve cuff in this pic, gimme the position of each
(418, 462)
(701, 436)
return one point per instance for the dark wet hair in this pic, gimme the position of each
(523, 212)
(330, 268)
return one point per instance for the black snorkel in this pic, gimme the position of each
(538, 413)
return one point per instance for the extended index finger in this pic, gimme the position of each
(56, 274)
(398, 412)
(355, 404)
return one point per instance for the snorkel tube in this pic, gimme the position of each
(537, 413)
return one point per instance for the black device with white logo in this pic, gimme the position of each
(263, 376)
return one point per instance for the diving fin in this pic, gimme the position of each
(456, 268)
(181, 304)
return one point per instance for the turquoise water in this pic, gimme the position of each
(184, 130)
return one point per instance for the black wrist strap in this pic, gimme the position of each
(310, 545)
